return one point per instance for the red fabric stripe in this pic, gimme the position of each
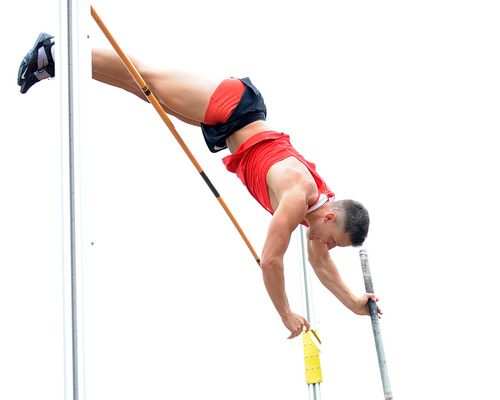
(223, 101)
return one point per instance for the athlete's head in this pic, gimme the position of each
(340, 223)
(356, 220)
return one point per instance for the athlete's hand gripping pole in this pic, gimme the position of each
(156, 104)
(363, 255)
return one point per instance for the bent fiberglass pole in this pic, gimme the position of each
(156, 104)
(377, 334)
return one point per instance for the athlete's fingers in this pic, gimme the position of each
(379, 311)
(307, 325)
(296, 332)
(375, 299)
(372, 297)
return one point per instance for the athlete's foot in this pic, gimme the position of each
(38, 64)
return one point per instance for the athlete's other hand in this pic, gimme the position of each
(296, 324)
(362, 308)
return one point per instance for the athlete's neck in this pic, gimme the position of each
(317, 215)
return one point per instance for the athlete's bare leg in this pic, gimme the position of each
(181, 94)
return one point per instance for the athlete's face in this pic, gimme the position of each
(329, 232)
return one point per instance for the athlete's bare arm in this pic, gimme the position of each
(328, 274)
(286, 218)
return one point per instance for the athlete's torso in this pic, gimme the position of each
(268, 165)
(241, 136)
(290, 174)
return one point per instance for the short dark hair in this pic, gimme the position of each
(356, 220)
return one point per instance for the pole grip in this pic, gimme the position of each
(365, 267)
(377, 334)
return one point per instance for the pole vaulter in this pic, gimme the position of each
(232, 115)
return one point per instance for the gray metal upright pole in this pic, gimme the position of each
(306, 277)
(314, 388)
(363, 255)
(67, 72)
(71, 134)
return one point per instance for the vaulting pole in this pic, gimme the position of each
(377, 334)
(156, 104)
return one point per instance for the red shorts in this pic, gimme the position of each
(234, 104)
(223, 101)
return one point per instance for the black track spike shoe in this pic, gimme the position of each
(32, 69)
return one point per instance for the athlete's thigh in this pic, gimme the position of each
(183, 93)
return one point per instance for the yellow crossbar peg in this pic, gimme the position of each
(311, 344)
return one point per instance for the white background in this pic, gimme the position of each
(395, 101)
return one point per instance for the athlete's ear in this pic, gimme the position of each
(331, 216)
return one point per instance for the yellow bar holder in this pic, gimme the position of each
(312, 363)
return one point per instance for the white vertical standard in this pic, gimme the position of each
(314, 388)
(71, 15)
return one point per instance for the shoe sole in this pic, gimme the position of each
(41, 38)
